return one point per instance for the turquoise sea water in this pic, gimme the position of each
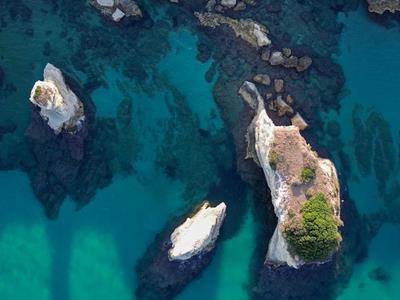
(91, 253)
(370, 60)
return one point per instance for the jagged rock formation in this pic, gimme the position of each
(380, 6)
(173, 260)
(248, 30)
(59, 106)
(198, 233)
(118, 9)
(283, 154)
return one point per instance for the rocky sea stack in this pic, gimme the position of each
(304, 189)
(174, 259)
(59, 106)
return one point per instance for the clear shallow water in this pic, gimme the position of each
(370, 60)
(383, 253)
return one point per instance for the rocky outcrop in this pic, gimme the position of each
(59, 106)
(179, 253)
(197, 234)
(283, 154)
(248, 30)
(380, 6)
(118, 9)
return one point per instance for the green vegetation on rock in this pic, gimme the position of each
(314, 235)
(38, 92)
(307, 174)
(273, 159)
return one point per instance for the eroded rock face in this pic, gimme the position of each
(380, 6)
(253, 33)
(198, 233)
(283, 154)
(59, 106)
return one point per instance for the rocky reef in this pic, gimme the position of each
(301, 185)
(59, 106)
(118, 9)
(174, 259)
(381, 6)
(248, 30)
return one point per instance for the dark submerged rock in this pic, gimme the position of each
(379, 274)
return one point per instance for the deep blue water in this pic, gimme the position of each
(91, 253)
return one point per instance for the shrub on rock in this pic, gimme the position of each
(314, 235)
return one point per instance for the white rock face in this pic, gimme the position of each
(59, 106)
(264, 132)
(198, 233)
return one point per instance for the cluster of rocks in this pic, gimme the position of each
(381, 6)
(174, 259)
(257, 36)
(118, 9)
(59, 106)
(283, 153)
(286, 59)
(278, 104)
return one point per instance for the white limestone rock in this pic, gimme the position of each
(198, 233)
(59, 106)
